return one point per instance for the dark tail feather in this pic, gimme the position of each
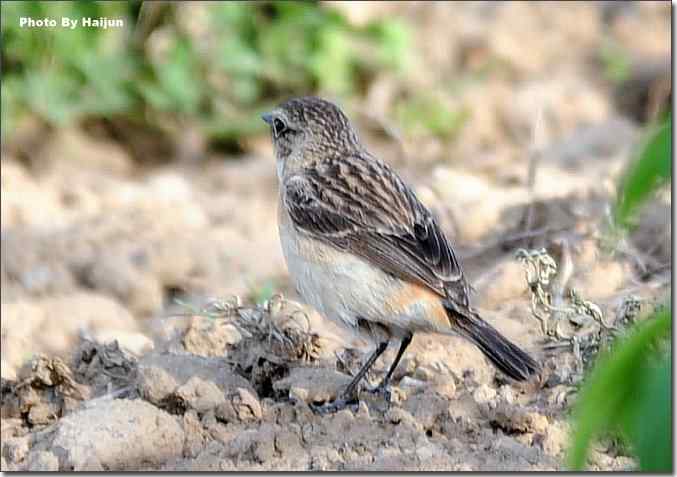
(506, 356)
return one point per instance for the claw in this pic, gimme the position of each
(382, 390)
(336, 405)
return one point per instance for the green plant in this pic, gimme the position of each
(59, 74)
(217, 72)
(651, 170)
(263, 292)
(425, 114)
(615, 62)
(629, 392)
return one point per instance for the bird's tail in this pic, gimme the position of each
(506, 356)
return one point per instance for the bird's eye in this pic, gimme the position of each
(279, 127)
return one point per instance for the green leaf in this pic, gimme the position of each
(331, 63)
(177, 86)
(615, 61)
(650, 170)
(265, 291)
(11, 104)
(648, 423)
(605, 401)
(425, 114)
(392, 39)
(244, 55)
(52, 95)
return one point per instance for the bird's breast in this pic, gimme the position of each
(344, 287)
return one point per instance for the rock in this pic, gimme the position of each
(448, 357)
(506, 448)
(244, 444)
(288, 443)
(11, 427)
(104, 367)
(397, 415)
(209, 460)
(44, 391)
(425, 407)
(298, 394)
(507, 394)
(155, 384)
(117, 435)
(445, 388)
(240, 405)
(184, 367)
(208, 337)
(199, 395)
(407, 382)
(320, 384)
(423, 374)
(484, 394)
(264, 446)
(427, 451)
(196, 436)
(135, 343)
(15, 449)
(43, 413)
(556, 438)
(42, 461)
(516, 419)
(343, 420)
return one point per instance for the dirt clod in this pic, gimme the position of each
(119, 434)
(206, 337)
(42, 461)
(240, 405)
(155, 384)
(198, 394)
(319, 385)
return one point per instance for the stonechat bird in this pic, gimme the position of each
(363, 250)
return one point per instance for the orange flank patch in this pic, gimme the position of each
(410, 296)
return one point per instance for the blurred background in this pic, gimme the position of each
(137, 176)
(136, 169)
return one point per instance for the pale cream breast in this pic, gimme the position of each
(343, 287)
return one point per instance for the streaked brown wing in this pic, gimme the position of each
(361, 205)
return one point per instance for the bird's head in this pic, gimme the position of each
(307, 129)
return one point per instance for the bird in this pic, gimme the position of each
(364, 251)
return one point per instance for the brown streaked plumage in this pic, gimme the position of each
(360, 246)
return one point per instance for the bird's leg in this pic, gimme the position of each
(383, 386)
(349, 394)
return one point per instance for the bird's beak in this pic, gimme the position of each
(267, 117)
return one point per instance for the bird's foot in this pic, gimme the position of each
(343, 401)
(382, 390)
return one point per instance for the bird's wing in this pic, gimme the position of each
(360, 205)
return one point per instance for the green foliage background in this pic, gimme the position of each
(629, 392)
(217, 72)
